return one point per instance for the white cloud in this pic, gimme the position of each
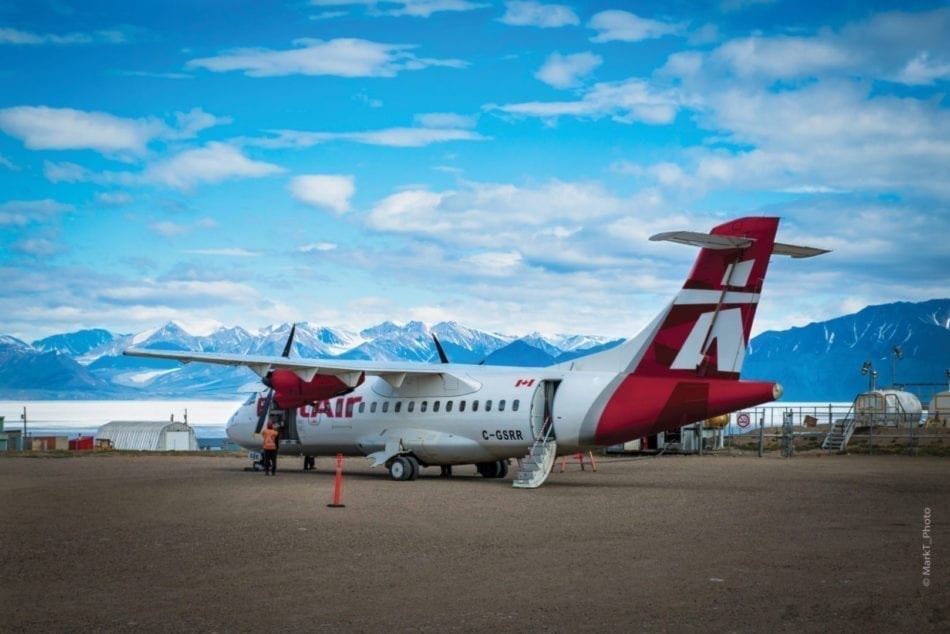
(627, 27)
(17, 37)
(45, 128)
(413, 8)
(782, 57)
(168, 229)
(213, 163)
(173, 292)
(444, 120)
(318, 247)
(566, 71)
(923, 71)
(908, 48)
(491, 215)
(232, 252)
(519, 13)
(343, 57)
(627, 101)
(425, 8)
(37, 247)
(23, 212)
(497, 264)
(114, 199)
(329, 191)
(391, 137)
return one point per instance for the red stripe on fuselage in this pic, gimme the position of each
(643, 406)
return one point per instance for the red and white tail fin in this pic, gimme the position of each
(685, 365)
(706, 331)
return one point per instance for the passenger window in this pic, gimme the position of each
(488, 405)
(362, 407)
(385, 406)
(474, 406)
(448, 406)
(412, 406)
(514, 405)
(372, 407)
(501, 405)
(461, 406)
(435, 406)
(423, 406)
(398, 406)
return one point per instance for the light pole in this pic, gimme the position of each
(898, 354)
(868, 369)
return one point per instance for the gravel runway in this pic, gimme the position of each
(122, 542)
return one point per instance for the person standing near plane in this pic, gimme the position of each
(269, 438)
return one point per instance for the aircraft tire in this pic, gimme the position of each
(491, 469)
(415, 467)
(401, 468)
(502, 468)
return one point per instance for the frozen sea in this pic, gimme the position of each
(83, 418)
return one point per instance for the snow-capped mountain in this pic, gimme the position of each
(824, 360)
(821, 361)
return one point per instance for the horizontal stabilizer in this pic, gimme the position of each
(796, 251)
(712, 241)
(704, 240)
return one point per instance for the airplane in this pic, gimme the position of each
(682, 368)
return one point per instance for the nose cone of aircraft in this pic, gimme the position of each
(240, 427)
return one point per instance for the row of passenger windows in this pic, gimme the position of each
(449, 406)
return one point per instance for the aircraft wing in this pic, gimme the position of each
(349, 372)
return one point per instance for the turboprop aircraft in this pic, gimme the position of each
(682, 368)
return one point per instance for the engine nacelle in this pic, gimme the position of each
(290, 391)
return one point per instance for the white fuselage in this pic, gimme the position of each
(479, 415)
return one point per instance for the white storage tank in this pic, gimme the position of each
(892, 408)
(939, 409)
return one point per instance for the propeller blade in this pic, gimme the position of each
(265, 411)
(290, 341)
(438, 346)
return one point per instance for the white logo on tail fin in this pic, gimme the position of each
(726, 332)
(737, 275)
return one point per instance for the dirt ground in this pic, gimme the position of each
(733, 543)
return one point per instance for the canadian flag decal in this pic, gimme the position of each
(524, 382)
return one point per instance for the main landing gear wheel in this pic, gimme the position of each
(497, 469)
(404, 468)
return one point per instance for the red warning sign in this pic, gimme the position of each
(742, 420)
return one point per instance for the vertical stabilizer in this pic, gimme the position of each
(705, 332)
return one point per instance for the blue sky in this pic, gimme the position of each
(499, 164)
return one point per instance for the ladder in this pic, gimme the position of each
(536, 465)
(839, 435)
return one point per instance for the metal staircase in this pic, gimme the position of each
(839, 434)
(537, 463)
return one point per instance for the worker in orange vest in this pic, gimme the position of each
(269, 437)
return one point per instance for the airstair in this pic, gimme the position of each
(537, 463)
(839, 435)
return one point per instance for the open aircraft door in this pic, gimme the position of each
(542, 409)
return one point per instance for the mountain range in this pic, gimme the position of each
(818, 362)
